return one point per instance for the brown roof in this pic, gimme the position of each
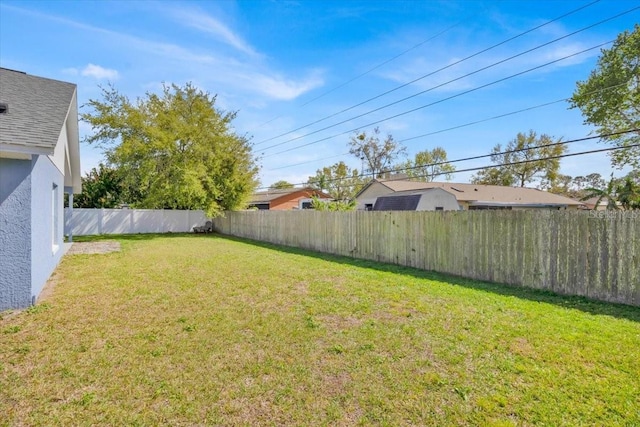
(269, 195)
(484, 194)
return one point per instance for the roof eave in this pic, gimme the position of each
(26, 149)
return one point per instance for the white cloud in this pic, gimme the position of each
(277, 87)
(100, 73)
(208, 24)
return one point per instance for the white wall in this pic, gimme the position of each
(83, 222)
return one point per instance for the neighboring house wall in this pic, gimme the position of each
(47, 220)
(289, 201)
(437, 198)
(15, 233)
(371, 193)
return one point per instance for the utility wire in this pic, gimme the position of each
(561, 156)
(463, 125)
(441, 100)
(308, 161)
(364, 74)
(435, 71)
(581, 153)
(445, 83)
(464, 159)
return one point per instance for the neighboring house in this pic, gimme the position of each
(39, 162)
(286, 199)
(382, 194)
(590, 204)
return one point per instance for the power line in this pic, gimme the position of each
(448, 82)
(581, 153)
(463, 125)
(464, 159)
(307, 162)
(434, 72)
(546, 104)
(441, 100)
(365, 73)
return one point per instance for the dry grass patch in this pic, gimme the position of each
(193, 330)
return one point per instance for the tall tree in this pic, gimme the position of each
(101, 188)
(175, 150)
(428, 165)
(281, 185)
(377, 154)
(339, 180)
(610, 97)
(524, 160)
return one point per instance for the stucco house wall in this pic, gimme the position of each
(15, 233)
(47, 221)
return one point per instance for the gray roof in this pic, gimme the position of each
(478, 194)
(37, 109)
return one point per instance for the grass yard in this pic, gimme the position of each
(201, 330)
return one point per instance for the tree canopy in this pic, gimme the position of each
(610, 97)
(101, 188)
(524, 160)
(427, 165)
(377, 154)
(281, 185)
(175, 150)
(339, 180)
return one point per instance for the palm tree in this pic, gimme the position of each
(629, 194)
(609, 193)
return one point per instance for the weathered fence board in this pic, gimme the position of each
(592, 254)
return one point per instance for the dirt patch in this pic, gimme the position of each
(88, 248)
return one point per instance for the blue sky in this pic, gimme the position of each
(284, 64)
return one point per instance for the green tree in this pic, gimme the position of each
(281, 185)
(101, 188)
(608, 193)
(377, 154)
(524, 160)
(610, 97)
(339, 180)
(628, 193)
(174, 150)
(333, 205)
(427, 166)
(576, 187)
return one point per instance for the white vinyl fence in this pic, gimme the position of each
(81, 222)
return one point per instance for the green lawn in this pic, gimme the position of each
(202, 330)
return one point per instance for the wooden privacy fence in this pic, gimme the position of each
(79, 222)
(592, 254)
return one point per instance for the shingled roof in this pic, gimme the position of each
(37, 109)
(477, 194)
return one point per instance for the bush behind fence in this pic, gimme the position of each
(592, 254)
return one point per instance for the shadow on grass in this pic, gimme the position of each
(132, 237)
(587, 305)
